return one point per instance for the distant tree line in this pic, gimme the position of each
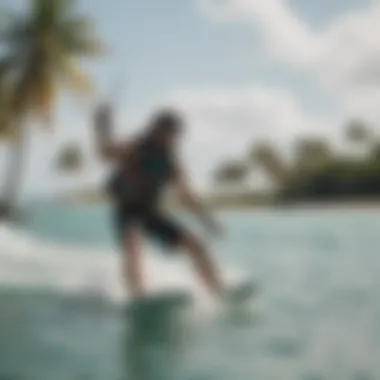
(316, 171)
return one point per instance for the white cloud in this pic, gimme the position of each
(351, 50)
(225, 122)
(285, 34)
(344, 56)
(234, 114)
(364, 102)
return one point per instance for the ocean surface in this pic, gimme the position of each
(62, 313)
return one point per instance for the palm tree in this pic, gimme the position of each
(231, 172)
(312, 154)
(268, 157)
(357, 131)
(70, 159)
(5, 115)
(42, 49)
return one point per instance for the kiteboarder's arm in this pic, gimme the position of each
(107, 148)
(193, 202)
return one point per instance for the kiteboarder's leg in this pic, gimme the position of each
(170, 232)
(128, 236)
(204, 265)
(131, 263)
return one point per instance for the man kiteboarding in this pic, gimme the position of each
(142, 168)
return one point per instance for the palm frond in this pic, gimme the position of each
(45, 47)
(77, 37)
(48, 15)
(43, 94)
(74, 78)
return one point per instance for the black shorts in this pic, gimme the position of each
(155, 224)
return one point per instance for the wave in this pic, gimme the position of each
(28, 263)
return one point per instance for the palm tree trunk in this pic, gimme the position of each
(14, 174)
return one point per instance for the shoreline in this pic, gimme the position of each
(255, 202)
(295, 206)
(338, 205)
(322, 207)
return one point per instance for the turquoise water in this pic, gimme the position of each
(318, 316)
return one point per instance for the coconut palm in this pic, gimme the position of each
(231, 172)
(267, 156)
(41, 55)
(312, 154)
(357, 131)
(70, 159)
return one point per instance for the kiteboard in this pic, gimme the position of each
(157, 302)
(242, 292)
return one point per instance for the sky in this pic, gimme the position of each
(240, 70)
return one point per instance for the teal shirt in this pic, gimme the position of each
(157, 168)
